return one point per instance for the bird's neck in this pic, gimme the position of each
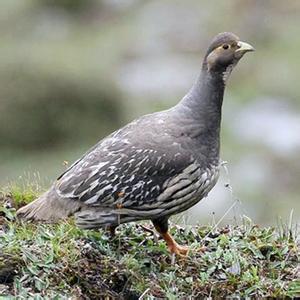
(199, 115)
(203, 103)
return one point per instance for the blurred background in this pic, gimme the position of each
(72, 71)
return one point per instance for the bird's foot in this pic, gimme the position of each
(173, 246)
(147, 229)
(178, 250)
(183, 251)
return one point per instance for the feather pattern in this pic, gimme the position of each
(156, 166)
(133, 178)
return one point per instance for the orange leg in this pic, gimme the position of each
(161, 225)
(173, 246)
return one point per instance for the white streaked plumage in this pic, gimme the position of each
(157, 165)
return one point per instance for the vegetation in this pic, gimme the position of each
(59, 261)
(69, 76)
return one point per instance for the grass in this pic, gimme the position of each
(60, 261)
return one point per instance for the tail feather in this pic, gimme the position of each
(49, 207)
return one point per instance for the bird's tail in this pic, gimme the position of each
(49, 207)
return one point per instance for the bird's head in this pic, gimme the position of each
(223, 54)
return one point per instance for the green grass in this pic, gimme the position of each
(59, 261)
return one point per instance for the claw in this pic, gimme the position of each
(178, 250)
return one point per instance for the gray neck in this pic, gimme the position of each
(203, 103)
(198, 115)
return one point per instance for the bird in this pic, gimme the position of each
(158, 165)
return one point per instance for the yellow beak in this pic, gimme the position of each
(244, 47)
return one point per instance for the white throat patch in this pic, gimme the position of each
(227, 72)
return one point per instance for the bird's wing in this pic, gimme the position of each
(118, 170)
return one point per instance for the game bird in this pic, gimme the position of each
(159, 165)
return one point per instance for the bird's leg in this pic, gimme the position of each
(147, 229)
(173, 246)
(112, 230)
(161, 225)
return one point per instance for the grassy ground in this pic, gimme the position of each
(47, 261)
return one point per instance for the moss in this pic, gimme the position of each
(59, 260)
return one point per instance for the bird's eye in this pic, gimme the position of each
(225, 46)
